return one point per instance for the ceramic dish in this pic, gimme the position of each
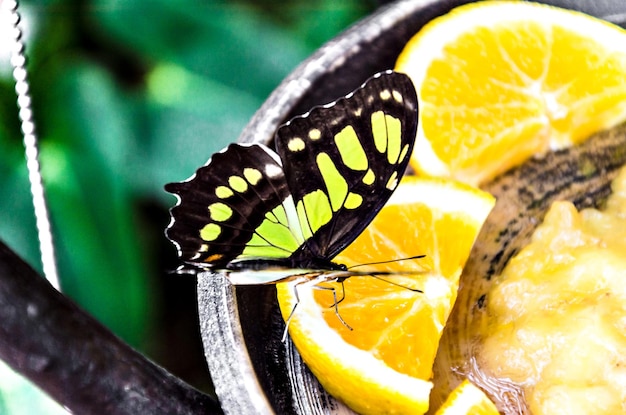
(253, 371)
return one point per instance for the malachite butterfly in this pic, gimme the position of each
(262, 216)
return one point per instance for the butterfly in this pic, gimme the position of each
(262, 216)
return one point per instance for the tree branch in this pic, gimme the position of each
(75, 359)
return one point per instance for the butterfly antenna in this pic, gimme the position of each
(388, 262)
(379, 277)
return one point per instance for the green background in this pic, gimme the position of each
(129, 95)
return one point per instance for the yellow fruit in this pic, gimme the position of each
(501, 81)
(557, 313)
(384, 364)
(467, 399)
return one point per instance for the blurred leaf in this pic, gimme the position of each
(86, 154)
(226, 42)
(315, 22)
(190, 117)
(17, 228)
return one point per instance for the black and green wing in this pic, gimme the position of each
(343, 161)
(336, 167)
(233, 208)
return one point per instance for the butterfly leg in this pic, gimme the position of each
(293, 311)
(343, 293)
(336, 302)
(313, 283)
(306, 280)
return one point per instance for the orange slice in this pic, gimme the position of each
(384, 364)
(467, 399)
(501, 81)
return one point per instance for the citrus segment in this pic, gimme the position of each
(501, 81)
(395, 329)
(467, 399)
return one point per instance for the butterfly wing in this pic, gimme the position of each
(343, 161)
(341, 164)
(237, 206)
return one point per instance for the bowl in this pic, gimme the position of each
(253, 370)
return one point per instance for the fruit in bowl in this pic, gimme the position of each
(497, 85)
(523, 196)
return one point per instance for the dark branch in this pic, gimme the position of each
(77, 361)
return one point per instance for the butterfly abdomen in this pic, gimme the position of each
(321, 264)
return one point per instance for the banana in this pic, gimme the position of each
(580, 174)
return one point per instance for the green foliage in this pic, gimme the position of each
(128, 96)
(18, 397)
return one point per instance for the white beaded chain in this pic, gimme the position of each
(18, 61)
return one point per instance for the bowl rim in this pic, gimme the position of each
(234, 378)
(220, 306)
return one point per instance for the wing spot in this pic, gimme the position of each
(210, 232)
(296, 144)
(385, 94)
(315, 134)
(387, 131)
(238, 184)
(394, 138)
(350, 149)
(357, 112)
(272, 171)
(253, 176)
(369, 177)
(353, 201)
(220, 212)
(403, 154)
(397, 96)
(392, 183)
(335, 183)
(214, 257)
(223, 192)
(379, 130)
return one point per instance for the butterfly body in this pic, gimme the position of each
(306, 264)
(253, 210)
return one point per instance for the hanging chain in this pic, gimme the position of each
(18, 61)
